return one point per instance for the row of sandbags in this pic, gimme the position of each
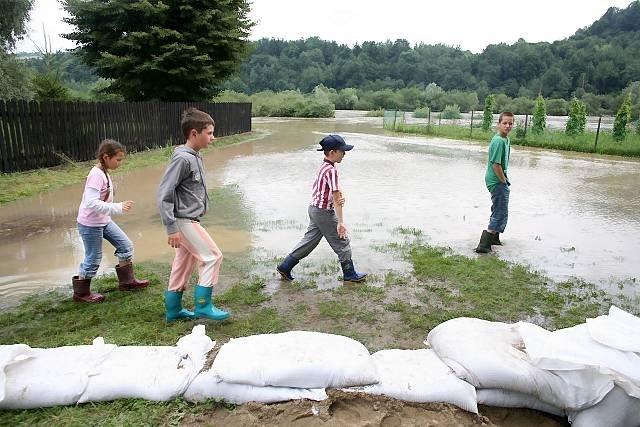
(589, 372)
(264, 368)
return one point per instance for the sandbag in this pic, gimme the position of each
(491, 355)
(10, 354)
(419, 376)
(513, 399)
(207, 386)
(617, 409)
(573, 349)
(619, 330)
(157, 373)
(52, 376)
(299, 359)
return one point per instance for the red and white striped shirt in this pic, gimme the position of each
(324, 185)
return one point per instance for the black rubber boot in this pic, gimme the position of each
(285, 268)
(485, 243)
(496, 239)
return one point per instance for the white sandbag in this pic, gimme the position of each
(52, 376)
(298, 359)
(10, 354)
(491, 355)
(617, 409)
(619, 330)
(207, 386)
(419, 376)
(158, 373)
(574, 349)
(513, 399)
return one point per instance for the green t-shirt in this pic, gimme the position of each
(499, 149)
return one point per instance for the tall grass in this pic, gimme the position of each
(557, 140)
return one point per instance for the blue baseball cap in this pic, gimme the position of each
(334, 142)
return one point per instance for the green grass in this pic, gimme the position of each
(18, 185)
(556, 140)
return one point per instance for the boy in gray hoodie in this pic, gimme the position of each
(183, 200)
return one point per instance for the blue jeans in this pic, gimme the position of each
(92, 239)
(499, 208)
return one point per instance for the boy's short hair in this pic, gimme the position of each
(503, 114)
(192, 118)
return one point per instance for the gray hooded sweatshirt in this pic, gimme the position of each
(183, 189)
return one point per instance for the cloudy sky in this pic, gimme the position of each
(469, 24)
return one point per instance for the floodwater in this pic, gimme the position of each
(571, 215)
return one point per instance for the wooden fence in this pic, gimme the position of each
(42, 134)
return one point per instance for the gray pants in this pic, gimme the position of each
(322, 223)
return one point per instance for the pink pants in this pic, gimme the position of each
(197, 248)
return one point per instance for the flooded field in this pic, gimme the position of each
(571, 215)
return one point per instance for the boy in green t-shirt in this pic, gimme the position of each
(497, 183)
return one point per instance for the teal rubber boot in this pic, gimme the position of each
(173, 307)
(204, 307)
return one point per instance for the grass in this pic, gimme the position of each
(18, 185)
(394, 310)
(549, 139)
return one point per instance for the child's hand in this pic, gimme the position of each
(175, 240)
(342, 230)
(126, 206)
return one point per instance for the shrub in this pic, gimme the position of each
(451, 112)
(623, 117)
(539, 116)
(421, 113)
(489, 107)
(577, 118)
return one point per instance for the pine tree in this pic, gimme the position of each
(487, 116)
(623, 117)
(539, 116)
(177, 50)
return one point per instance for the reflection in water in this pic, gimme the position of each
(570, 215)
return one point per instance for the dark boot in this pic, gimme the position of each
(286, 266)
(496, 239)
(485, 243)
(349, 273)
(173, 307)
(82, 291)
(127, 280)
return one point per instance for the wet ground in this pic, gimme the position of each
(571, 215)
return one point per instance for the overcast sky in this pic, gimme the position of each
(469, 24)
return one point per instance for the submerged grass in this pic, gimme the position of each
(549, 139)
(396, 310)
(19, 185)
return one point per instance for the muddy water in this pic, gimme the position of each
(571, 215)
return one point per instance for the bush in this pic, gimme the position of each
(421, 113)
(556, 107)
(451, 112)
(539, 116)
(487, 115)
(577, 118)
(623, 117)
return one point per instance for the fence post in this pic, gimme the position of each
(395, 114)
(471, 131)
(526, 122)
(595, 146)
(439, 118)
(429, 120)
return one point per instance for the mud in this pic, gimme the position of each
(362, 410)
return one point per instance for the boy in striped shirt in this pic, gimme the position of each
(325, 215)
